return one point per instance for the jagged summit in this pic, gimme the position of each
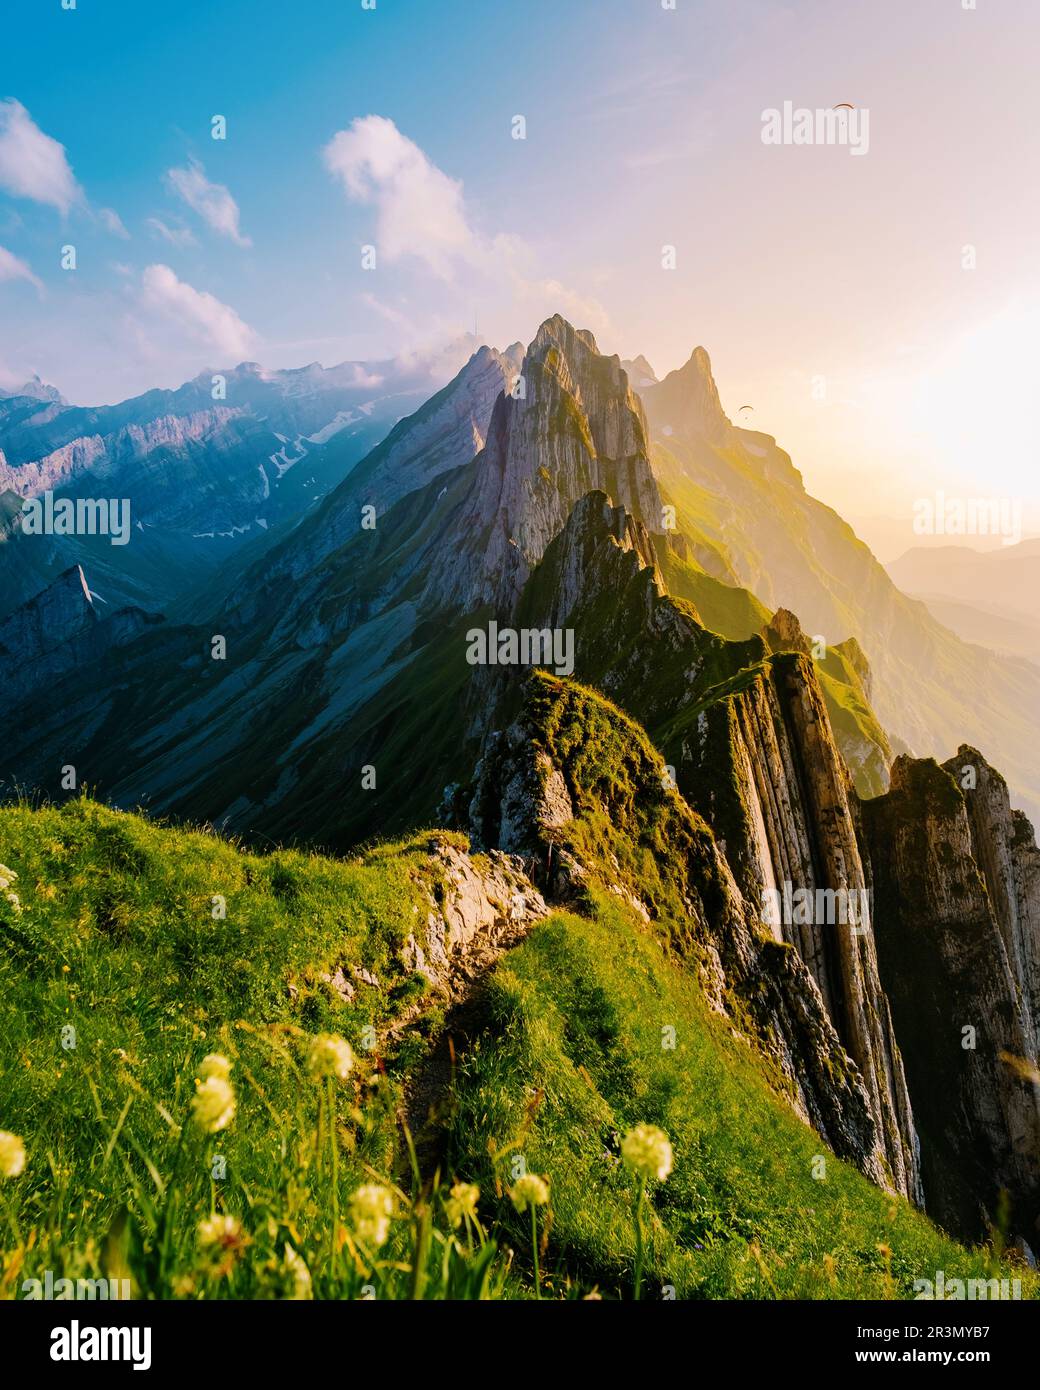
(570, 425)
(687, 401)
(34, 389)
(558, 330)
(640, 372)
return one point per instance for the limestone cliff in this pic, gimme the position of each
(955, 910)
(751, 748)
(575, 788)
(570, 426)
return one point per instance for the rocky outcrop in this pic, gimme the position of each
(845, 679)
(576, 790)
(1004, 847)
(478, 910)
(955, 943)
(752, 750)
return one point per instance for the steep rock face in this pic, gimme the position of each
(687, 402)
(600, 549)
(478, 911)
(56, 632)
(1005, 850)
(572, 426)
(57, 615)
(844, 675)
(445, 434)
(54, 469)
(751, 746)
(574, 787)
(843, 959)
(960, 998)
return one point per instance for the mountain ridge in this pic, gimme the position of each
(346, 706)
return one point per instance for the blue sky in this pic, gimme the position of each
(130, 90)
(643, 129)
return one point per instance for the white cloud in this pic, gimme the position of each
(212, 201)
(13, 268)
(388, 312)
(112, 222)
(421, 213)
(420, 210)
(32, 165)
(203, 315)
(176, 236)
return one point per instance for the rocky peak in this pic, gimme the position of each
(570, 765)
(36, 390)
(639, 372)
(570, 425)
(784, 633)
(56, 616)
(687, 402)
(582, 557)
(597, 384)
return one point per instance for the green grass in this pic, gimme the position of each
(115, 937)
(725, 608)
(574, 1052)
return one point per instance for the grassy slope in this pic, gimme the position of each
(573, 1055)
(116, 937)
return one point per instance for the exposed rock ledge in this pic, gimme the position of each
(480, 906)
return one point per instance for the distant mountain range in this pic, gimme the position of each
(988, 597)
(226, 461)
